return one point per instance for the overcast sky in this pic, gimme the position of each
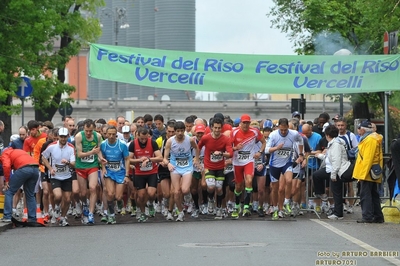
(238, 27)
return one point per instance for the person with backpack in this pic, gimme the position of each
(351, 146)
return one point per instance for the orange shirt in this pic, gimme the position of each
(30, 142)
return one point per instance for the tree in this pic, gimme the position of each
(28, 48)
(325, 26)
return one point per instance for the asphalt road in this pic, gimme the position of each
(304, 240)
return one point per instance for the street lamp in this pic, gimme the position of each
(119, 16)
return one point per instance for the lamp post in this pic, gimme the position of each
(119, 16)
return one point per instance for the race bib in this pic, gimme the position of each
(216, 158)
(283, 153)
(114, 166)
(201, 160)
(146, 167)
(243, 155)
(61, 168)
(228, 169)
(258, 161)
(182, 162)
(88, 159)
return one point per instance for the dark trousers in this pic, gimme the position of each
(337, 191)
(370, 201)
(321, 180)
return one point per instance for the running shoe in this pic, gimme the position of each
(190, 208)
(85, 220)
(275, 215)
(90, 218)
(111, 219)
(224, 213)
(230, 206)
(270, 210)
(195, 213)
(235, 213)
(70, 209)
(246, 212)
(63, 221)
(138, 214)
(210, 206)
(260, 212)
(158, 208)
(5, 220)
(203, 209)
(181, 217)
(133, 212)
(218, 215)
(104, 219)
(325, 207)
(335, 217)
(318, 209)
(295, 209)
(255, 206)
(152, 211)
(281, 214)
(143, 218)
(169, 216)
(287, 209)
(350, 209)
(123, 211)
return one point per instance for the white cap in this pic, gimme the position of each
(63, 131)
(325, 126)
(126, 129)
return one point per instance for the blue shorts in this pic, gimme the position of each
(275, 172)
(116, 179)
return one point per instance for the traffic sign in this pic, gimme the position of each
(25, 88)
(65, 109)
(386, 43)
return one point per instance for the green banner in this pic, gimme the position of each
(245, 73)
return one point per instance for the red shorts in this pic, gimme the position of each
(84, 173)
(241, 171)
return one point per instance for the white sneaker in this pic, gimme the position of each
(195, 213)
(210, 206)
(63, 221)
(190, 208)
(169, 216)
(335, 217)
(218, 215)
(158, 208)
(181, 217)
(350, 209)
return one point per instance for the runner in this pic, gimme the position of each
(244, 138)
(87, 144)
(180, 164)
(62, 156)
(115, 169)
(145, 154)
(217, 146)
(280, 146)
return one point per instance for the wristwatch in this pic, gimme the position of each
(301, 154)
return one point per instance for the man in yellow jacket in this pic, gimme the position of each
(369, 153)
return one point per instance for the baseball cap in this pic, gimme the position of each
(325, 126)
(365, 123)
(268, 123)
(126, 129)
(245, 118)
(237, 121)
(63, 131)
(200, 128)
(295, 113)
(112, 122)
(337, 117)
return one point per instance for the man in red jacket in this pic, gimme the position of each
(26, 172)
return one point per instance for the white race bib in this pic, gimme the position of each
(61, 168)
(216, 158)
(228, 169)
(146, 167)
(182, 162)
(114, 166)
(243, 156)
(88, 159)
(283, 153)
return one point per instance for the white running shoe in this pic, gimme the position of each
(181, 217)
(169, 216)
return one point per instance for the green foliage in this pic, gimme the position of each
(29, 32)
